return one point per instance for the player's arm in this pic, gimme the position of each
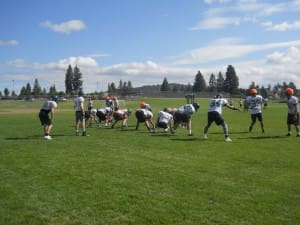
(232, 107)
(52, 114)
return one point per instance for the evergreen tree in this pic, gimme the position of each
(77, 79)
(28, 89)
(199, 83)
(52, 91)
(220, 82)
(69, 81)
(6, 92)
(212, 83)
(23, 92)
(120, 85)
(37, 90)
(231, 83)
(165, 85)
(129, 86)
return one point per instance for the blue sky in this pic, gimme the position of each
(143, 41)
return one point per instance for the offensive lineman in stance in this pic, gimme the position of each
(255, 103)
(144, 115)
(293, 111)
(215, 115)
(47, 108)
(164, 120)
(183, 115)
(121, 115)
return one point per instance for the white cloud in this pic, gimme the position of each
(65, 27)
(243, 11)
(216, 23)
(277, 66)
(284, 26)
(8, 43)
(227, 48)
(292, 55)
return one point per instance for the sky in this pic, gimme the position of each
(145, 41)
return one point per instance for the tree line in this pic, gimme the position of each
(228, 83)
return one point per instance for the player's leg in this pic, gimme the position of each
(253, 121)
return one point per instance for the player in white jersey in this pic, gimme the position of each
(121, 115)
(91, 116)
(293, 111)
(164, 120)
(144, 115)
(48, 107)
(215, 115)
(184, 114)
(255, 103)
(79, 113)
(104, 114)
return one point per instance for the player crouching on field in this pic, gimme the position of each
(165, 119)
(183, 115)
(144, 115)
(46, 120)
(121, 115)
(104, 114)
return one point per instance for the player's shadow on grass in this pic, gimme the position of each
(32, 137)
(161, 134)
(185, 139)
(263, 137)
(230, 132)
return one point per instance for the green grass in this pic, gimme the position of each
(136, 177)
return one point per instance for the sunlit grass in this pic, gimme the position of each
(137, 177)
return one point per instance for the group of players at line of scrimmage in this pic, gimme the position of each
(169, 119)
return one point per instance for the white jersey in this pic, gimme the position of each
(77, 102)
(48, 105)
(94, 112)
(164, 117)
(147, 113)
(187, 109)
(105, 110)
(255, 103)
(217, 104)
(291, 102)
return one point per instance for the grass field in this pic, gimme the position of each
(136, 177)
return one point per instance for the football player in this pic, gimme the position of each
(255, 103)
(121, 115)
(144, 115)
(293, 111)
(215, 115)
(183, 116)
(165, 119)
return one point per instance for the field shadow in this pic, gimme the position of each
(230, 132)
(263, 137)
(184, 139)
(161, 135)
(33, 137)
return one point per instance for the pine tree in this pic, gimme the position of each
(231, 83)
(69, 81)
(165, 85)
(199, 83)
(212, 83)
(37, 90)
(220, 82)
(77, 79)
